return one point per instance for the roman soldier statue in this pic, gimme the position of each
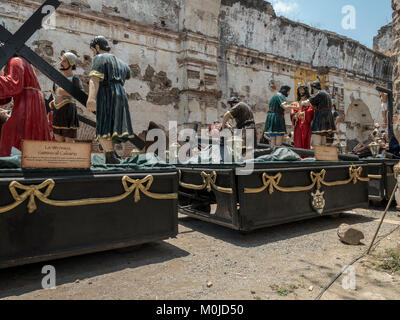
(324, 122)
(65, 116)
(107, 97)
(275, 125)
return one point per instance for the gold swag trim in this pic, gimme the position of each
(115, 134)
(61, 104)
(96, 74)
(209, 183)
(32, 192)
(375, 176)
(272, 182)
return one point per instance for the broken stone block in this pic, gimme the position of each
(350, 235)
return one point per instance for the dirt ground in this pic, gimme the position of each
(293, 261)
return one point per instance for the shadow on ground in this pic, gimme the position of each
(272, 234)
(23, 279)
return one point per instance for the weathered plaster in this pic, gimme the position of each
(188, 56)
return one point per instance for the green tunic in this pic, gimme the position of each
(113, 116)
(275, 123)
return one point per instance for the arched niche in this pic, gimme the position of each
(359, 122)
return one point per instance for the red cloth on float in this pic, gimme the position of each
(302, 121)
(50, 119)
(28, 119)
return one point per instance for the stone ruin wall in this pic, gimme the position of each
(189, 56)
(396, 62)
(263, 48)
(383, 42)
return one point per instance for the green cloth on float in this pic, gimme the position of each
(13, 162)
(141, 162)
(280, 155)
(147, 161)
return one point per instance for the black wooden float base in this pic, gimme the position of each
(382, 180)
(62, 214)
(272, 194)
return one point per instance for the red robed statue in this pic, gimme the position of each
(28, 120)
(302, 120)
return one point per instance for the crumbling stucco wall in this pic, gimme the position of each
(189, 56)
(259, 30)
(256, 48)
(149, 44)
(383, 42)
(396, 62)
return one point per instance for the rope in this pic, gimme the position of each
(326, 288)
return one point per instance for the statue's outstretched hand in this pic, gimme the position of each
(4, 113)
(91, 105)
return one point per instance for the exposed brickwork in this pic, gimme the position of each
(396, 54)
(396, 62)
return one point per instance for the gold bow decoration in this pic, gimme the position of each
(136, 186)
(317, 178)
(139, 185)
(209, 183)
(354, 176)
(272, 182)
(31, 192)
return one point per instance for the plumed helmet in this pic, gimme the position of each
(102, 42)
(316, 85)
(233, 100)
(72, 58)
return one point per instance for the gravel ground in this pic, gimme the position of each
(205, 261)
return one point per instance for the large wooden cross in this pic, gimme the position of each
(15, 44)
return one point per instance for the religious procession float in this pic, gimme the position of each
(57, 199)
(50, 214)
(285, 184)
(280, 187)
